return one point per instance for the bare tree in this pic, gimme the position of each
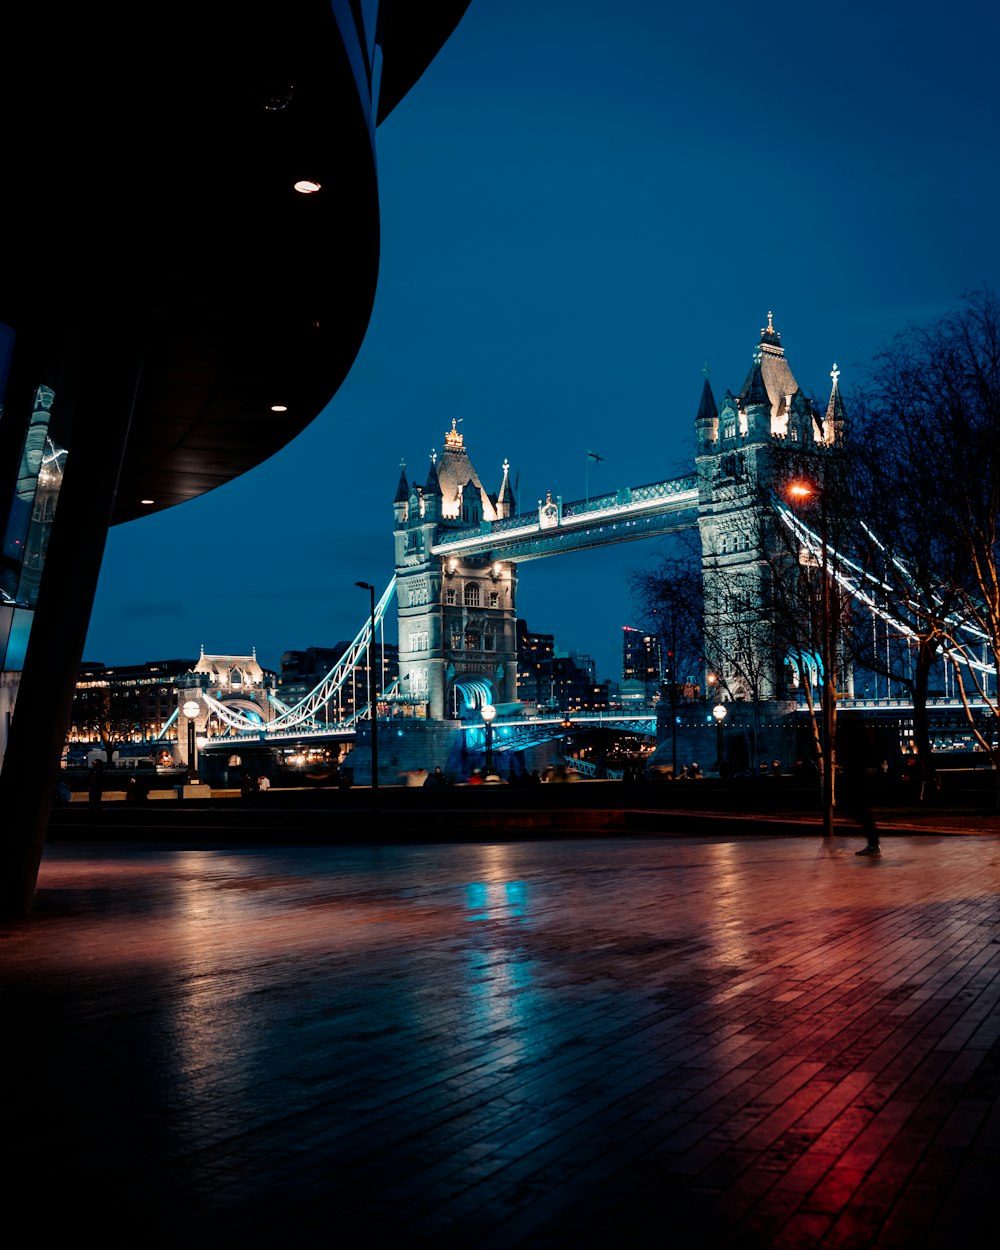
(107, 713)
(925, 456)
(669, 598)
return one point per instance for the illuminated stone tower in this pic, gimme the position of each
(457, 638)
(739, 448)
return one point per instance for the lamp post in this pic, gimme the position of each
(719, 712)
(487, 712)
(372, 710)
(807, 490)
(191, 708)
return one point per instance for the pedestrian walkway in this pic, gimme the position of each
(632, 1041)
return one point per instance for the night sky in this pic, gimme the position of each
(582, 204)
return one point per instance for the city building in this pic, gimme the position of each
(642, 666)
(130, 710)
(196, 236)
(535, 656)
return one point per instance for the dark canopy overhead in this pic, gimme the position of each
(155, 187)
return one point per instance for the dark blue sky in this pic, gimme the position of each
(583, 203)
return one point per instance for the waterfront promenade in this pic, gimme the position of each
(729, 1034)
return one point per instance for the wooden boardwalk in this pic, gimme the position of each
(631, 1041)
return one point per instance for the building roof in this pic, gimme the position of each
(455, 473)
(775, 375)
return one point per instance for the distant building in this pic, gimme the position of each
(535, 655)
(642, 666)
(576, 690)
(124, 706)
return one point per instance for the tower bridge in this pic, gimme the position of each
(457, 548)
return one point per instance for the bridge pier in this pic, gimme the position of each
(405, 746)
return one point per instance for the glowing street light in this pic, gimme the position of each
(191, 709)
(719, 712)
(802, 491)
(487, 712)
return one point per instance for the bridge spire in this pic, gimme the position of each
(505, 502)
(706, 423)
(403, 489)
(833, 426)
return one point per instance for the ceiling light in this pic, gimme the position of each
(147, 501)
(279, 407)
(306, 187)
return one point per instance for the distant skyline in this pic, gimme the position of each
(580, 207)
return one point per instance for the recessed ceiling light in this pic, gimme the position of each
(306, 187)
(147, 501)
(279, 407)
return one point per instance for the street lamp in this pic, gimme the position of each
(191, 709)
(487, 712)
(372, 711)
(801, 491)
(719, 712)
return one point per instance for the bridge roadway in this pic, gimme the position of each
(514, 733)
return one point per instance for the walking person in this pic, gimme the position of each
(855, 749)
(95, 785)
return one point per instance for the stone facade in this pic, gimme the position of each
(457, 634)
(740, 454)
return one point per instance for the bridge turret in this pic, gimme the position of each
(401, 504)
(432, 495)
(800, 420)
(506, 503)
(756, 404)
(833, 427)
(706, 423)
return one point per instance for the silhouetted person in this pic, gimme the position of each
(856, 752)
(436, 778)
(95, 785)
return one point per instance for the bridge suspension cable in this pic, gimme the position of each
(304, 712)
(864, 587)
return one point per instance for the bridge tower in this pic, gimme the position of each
(457, 630)
(740, 448)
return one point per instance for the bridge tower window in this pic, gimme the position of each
(471, 640)
(472, 594)
(451, 596)
(494, 599)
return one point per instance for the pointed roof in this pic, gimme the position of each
(403, 489)
(835, 408)
(455, 471)
(778, 379)
(754, 389)
(433, 486)
(504, 494)
(707, 409)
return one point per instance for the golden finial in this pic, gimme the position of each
(453, 440)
